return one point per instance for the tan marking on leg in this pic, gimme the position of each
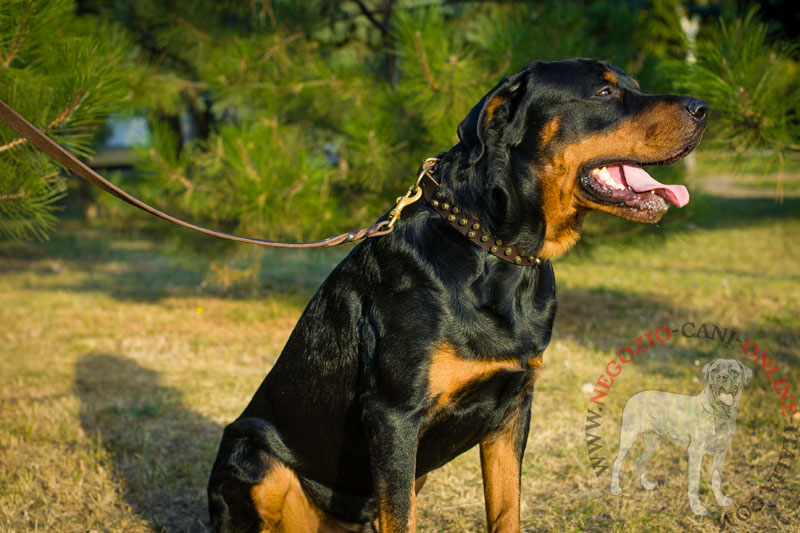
(389, 523)
(284, 507)
(449, 372)
(501, 479)
(412, 515)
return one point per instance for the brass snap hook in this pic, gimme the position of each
(414, 193)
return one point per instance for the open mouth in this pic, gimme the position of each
(626, 184)
(727, 394)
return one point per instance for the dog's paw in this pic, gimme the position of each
(724, 501)
(698, 508)
(646, 483)
(616, 490)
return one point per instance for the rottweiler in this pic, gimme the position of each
(426, 342)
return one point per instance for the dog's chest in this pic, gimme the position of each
(459, 420)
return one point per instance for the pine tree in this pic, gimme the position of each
(308, 118)
(64, 74)
(752, 85)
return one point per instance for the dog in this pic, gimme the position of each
(426, 342)
(703, 424)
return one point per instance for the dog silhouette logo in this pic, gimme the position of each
(703, 424)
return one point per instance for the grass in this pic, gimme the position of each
(123, 359)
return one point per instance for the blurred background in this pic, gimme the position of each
(295, 120)
(127, 343)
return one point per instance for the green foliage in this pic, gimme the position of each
(752, 85)
(67, 86)
(309, 118)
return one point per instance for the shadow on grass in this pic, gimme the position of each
(137, 269)
(161, 452)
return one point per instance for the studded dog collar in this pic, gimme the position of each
(467, 225)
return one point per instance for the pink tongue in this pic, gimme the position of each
(640, 181)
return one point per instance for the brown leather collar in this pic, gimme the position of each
(469, 226)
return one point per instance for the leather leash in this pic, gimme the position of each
(39, 139)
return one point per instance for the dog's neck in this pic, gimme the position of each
(503, 192)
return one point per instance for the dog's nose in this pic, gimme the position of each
(697, 108)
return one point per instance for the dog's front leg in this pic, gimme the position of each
(392, 442)
(696, 453)
(717, 461)
(501, 464)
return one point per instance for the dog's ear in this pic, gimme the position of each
(747, 374)
(511, 98)
(707, 370)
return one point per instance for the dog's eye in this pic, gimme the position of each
(604, 92)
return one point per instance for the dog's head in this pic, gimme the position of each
(725, 378)
(559, 139)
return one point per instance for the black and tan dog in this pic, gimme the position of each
(420, 344)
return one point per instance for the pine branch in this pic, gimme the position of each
(423, 60)
(16, 196)
(270, 12)
(171, 173)
(22, 194)
(13, 144)
(367, 13)
(62, 117)
(248, 164)
(68, 111)
(203, 36)
(19, 35)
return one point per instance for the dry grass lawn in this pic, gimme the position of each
(119, 369)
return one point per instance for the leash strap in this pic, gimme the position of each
(39, 139)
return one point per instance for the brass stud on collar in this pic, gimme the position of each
(456, 210)
(476, 226)
(538, 261)
(531, 258)
(471, 234)
(507, 251)
(484, 238)
(445, 206)
(518, 260)
(493, 249)
(462, 222)
(435, 203)
(498, 242)
(439, 195)
(451, 218)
